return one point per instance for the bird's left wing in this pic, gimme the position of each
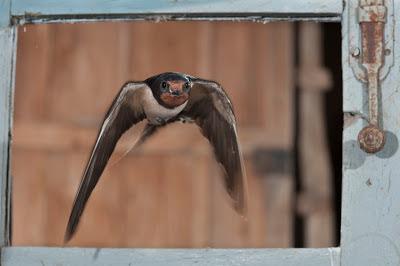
(211, 109)
(125, 111)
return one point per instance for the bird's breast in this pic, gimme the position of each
(154, 110)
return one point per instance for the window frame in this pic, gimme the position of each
(368, 227)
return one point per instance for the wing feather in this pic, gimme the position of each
(212, 111)
(124, 112)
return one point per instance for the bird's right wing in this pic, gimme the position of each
(211, 109)
(125, 111)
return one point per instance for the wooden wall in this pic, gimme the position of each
(67, 75)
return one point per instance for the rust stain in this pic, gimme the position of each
(372, 42)
(373, 16)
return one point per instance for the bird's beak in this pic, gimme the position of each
(176, 92)
(175, 88)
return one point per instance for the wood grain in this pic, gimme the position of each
(168, 193)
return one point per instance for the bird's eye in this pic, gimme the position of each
(164, 85)
(187, 85)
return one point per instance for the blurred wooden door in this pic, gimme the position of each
(169, 192)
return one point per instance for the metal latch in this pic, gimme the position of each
(372, 15)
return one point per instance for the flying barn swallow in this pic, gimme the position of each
(164, 99)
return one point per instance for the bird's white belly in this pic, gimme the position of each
(154, 111)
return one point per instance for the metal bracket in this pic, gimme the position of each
(355, 13)
(372, 62)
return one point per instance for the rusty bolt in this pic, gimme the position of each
(371, 139)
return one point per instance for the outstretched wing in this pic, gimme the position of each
(125, 111)
(212, 111)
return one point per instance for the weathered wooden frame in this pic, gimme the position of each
(370, 233)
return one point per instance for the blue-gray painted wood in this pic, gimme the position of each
(16, 256)
(370, 233)
(40, 11)
(5, 13)
(7, 64)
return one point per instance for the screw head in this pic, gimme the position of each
(355, 51)
(371, 139)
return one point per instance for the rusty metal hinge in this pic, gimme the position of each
(371, 63)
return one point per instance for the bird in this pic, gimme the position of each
(161, 100)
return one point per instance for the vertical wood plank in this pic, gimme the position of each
(315, 200)
(203, 200)
(30, 198)
(277, 111)
(34, 59)
(7, 63)
(275, 75)
(233, 43)
(145, 207)
(262, 101)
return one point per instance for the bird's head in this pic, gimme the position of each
(171, 89)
